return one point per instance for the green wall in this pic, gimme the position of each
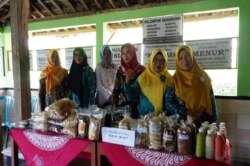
(243, 88)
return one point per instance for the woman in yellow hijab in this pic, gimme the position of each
(53, 80)
(191, 92)
(151, 84)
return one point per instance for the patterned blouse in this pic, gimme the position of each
(175, 105)
(88, 88)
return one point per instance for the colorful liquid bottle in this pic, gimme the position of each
(200, 143)
(220, 141)
(209, 150)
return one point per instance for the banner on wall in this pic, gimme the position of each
(165, 29)
(69, 56)
(213, 54)
(42, 57)
(170, 48)
(116, 49)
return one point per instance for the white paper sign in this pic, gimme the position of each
(165, 29)
(116, 49)
(42, 57)
(118, 136)
(213, 54)
(170, 48)
(69, 56)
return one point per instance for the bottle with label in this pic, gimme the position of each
(219, 152)
(209, 152)
(184, 143)
(155, 133)
(200, 143)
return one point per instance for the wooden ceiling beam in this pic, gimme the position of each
(33, 16)
(125, 2)
(97, 3)
(112, 4)
(46, 8)
(36, 10)
(57, 6)
(4, 3)
(3, 19)
(70, 6)
(84, 4)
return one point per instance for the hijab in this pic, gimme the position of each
(76, 73)
(106, 63)
(54, 74)
(134, 65)
(152, 84)
(192, 86)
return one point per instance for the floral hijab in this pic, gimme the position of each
(192, 86)
(153, 85)
(54, 74)
(133, 65)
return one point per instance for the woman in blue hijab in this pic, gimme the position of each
(105, 77)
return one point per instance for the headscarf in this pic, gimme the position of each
(153, 85)
(76, 73)
(133, 65)
(54, 74)
(193, 86)
(106, 63)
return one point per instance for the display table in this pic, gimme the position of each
(40, 148)
(123, 156)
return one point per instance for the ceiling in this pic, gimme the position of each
(54, 9)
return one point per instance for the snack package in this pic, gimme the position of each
(142, 137)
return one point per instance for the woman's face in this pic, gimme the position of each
(78, 57)
(55, 58)
(159, 63)
(107, 54)
(185, 60)
(126, 54)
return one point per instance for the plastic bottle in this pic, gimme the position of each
(209, 152)
(222, 128)
(200, 143)
(219, 153)
(184, 145)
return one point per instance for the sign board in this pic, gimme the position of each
(170, 48)
(213, 54)
(69, 56)
(165, 29)
(116, 49)
(42, 58)
(118, 136)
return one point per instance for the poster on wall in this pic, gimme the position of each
(165, 29)
(213, 54)
(116, 49)
(31, 60)
(170, 48)
(42, 57)
(69, 56)
(2, 71)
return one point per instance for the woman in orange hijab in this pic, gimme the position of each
(191, 93)
(52, 81)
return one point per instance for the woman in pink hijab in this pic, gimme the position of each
(130, 69)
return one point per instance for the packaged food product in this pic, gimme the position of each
(155, 133)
